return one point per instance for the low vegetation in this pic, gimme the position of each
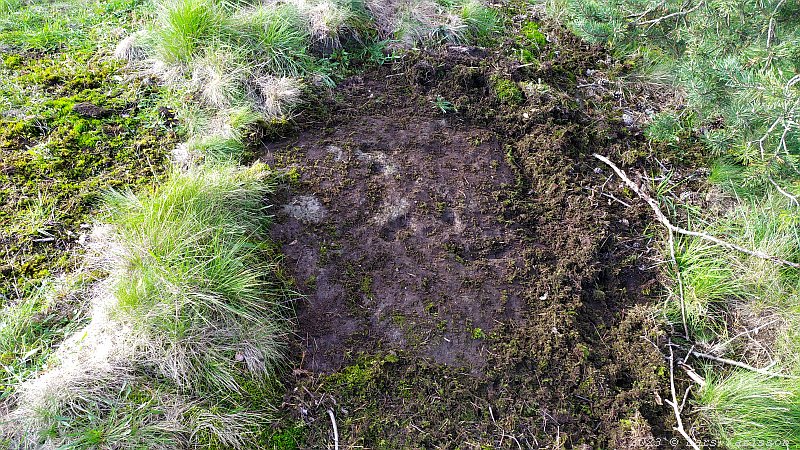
(172, 332)
(70, 127)
(735, 66)
(185, 332)
(253, 61)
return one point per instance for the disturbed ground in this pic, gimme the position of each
(469, 281)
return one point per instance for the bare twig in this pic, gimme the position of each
(674, 403)
(692, 374)
(671, 244)
(706, 237)
(335, 430)
(669, 16)
(721, 346)
(792, 198)
(742, 365)
(647, 11)
(502, 431)
(771, 28)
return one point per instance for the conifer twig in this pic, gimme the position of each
(706, 237)
(669, 16)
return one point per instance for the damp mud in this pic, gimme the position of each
(469, 280)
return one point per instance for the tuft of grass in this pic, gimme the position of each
(716, 281)
(8, 6)
(453, 21)
(328, 21)
(219, 76)
(748, 410)
(708, 284)
(274, 38)
(274, 95)
(727, 173)
(31, 328)
(481, 21)
(183, 27)
(186, 330)
(196, 281)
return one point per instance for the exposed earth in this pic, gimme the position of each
(468, 279)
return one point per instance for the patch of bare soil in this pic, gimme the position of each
(467, 283)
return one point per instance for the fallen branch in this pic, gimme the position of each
(742, 365)
(669, 16)
(721, 346)
(706, 237)
(335, 430)
(674, 403)
(671, 244)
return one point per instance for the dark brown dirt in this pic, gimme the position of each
(410, 250)
(467, 284)
(91, 110)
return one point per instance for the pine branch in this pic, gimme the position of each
(682, 13)
(706, 237)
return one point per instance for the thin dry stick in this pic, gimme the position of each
(791, 197)
(674, 402)
(646, 12)
(669, 16)
(742, 365)
(771, 28)
(335, 430)
(721, 346)
(671, 244)
(707, 237)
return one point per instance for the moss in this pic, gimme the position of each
(54, 162)
(366, 286)
(289, 438)
(534, 36)
(507, 91)
(12, 61)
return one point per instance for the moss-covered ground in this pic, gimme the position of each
(72, 125)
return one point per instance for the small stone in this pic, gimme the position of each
(628, 120)
(306, 208)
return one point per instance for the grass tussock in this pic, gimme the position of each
(230, 56)
(748, 410)
(745, 309)
(451, 21)
(184, 27)
(185, 334)
(32, 327)
(718, 282)
(708, 284)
